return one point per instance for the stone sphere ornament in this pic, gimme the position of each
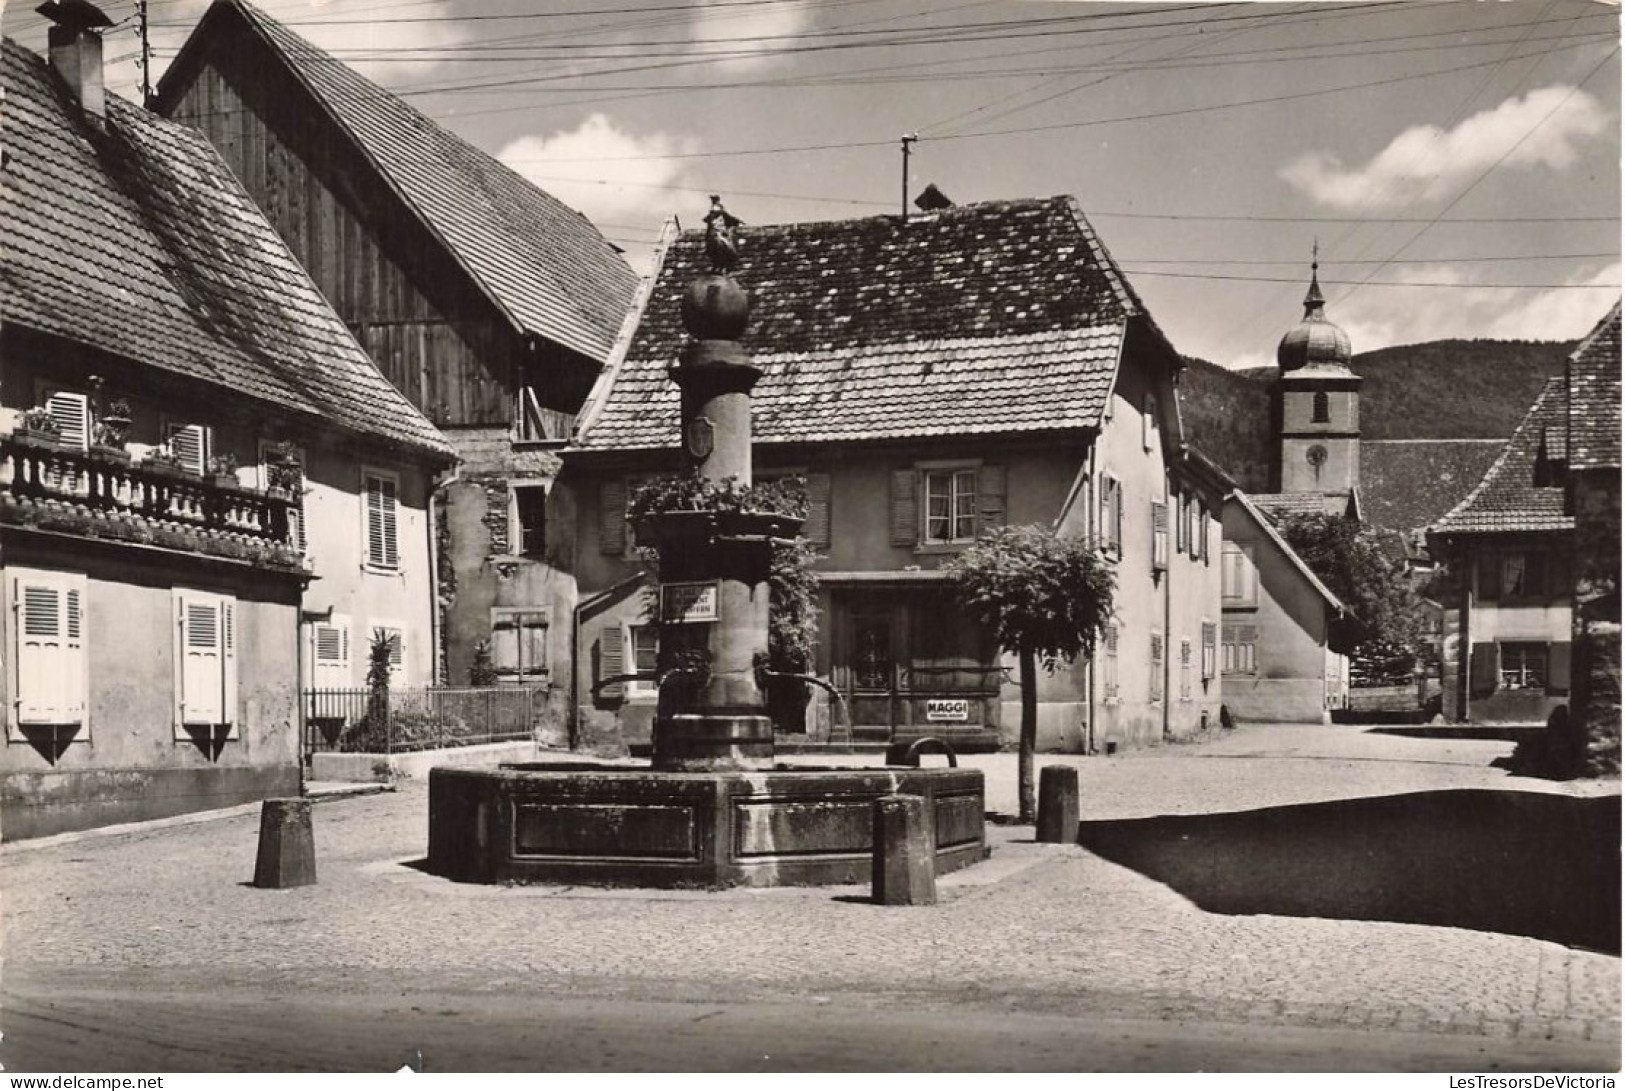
(715, 308)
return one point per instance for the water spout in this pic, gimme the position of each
(845, 717)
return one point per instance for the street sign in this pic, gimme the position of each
(947, 710)
(684, 602)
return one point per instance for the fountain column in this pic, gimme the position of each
(715, 564)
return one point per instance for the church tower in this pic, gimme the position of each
(1318, 405)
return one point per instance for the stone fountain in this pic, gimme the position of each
(714, 809)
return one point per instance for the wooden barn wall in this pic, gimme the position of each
(457, 372)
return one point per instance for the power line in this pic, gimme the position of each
(1363, 284)
(1369, 261)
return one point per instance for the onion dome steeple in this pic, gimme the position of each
(1315, 341)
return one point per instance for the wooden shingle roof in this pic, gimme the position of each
(1594, 398)
(135, 239)
(998, 317)
(543, 264)
(1406, 484)
(1507, 499)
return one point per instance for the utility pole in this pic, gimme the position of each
(908, 138)
(145, 62)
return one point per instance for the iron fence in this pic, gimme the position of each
(359, 721)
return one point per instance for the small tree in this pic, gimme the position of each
(1350, 561)
(1039, 595)
(378, 656)
(482, 671)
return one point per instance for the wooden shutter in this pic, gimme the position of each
(612, 517)
(817, 528)
(990, 488)
(1117, 519)
(905, 508)
(1156, 666)
(383, 546)
(1485, 668)
(42, 653)
(71, 412)
(1557, 669)
(1159, 536)
(202, 652)
(332, 664)
(190, 444)
(611, 660)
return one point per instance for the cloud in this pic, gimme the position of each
(1426, 162)
(715, 28)
(1377, 317)
(592, 169)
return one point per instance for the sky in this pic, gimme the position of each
(1457, 162)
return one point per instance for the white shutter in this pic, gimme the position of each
(228, 664)
(190, 444)
(202, 660)
(332, 663)
(382, 544)
(71, 412)
(41, 653)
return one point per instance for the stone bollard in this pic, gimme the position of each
(287, 855)
(1058, 804)
(905, 858)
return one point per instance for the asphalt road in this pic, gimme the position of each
(130, 1025)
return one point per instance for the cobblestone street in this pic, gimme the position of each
(1039, 931)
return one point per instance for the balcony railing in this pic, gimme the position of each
(99, 494)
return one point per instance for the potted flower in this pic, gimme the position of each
(107, 441)
(117, 421)
(223, 471)
(36, 425)
(283, 474)
(163, 459)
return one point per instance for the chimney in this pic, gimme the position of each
(76, 50)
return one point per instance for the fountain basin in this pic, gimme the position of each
(610, 825)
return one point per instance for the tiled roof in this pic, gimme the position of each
(1594, 393)
(138, 241)
(1266, 522)
(1277, 504)
(1507, 499)
(1408, 484)
(997, 317)
(543, 263)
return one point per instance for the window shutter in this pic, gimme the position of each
(905, 510)
(1103, 518)
(1159, 536)
(612, 517)
(1557, 669)
(71, 412)
(990, 487)
(332, 667)
(817, 528)
(190, 444)
(611, 661)
(42, 655)
(383, 546)
(228, 664)
(505, 644)
(201, 666)
(1485, 664)
(1117, 520)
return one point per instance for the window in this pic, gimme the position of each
(1185, 669)
(330, 659)
(206, 660)
(1159, 537)
(1209, 650)
(1238, 577)
(1149, 422)
(1108, 670)
(1240, 649)
(1523, 575)
(1523, 666)
(1322, 411)
(519, 644)
(950, 505)
(529, 534)
(1111, 516)
(191, 444)
(1156, 667)
(383, 549)
(49, 647)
